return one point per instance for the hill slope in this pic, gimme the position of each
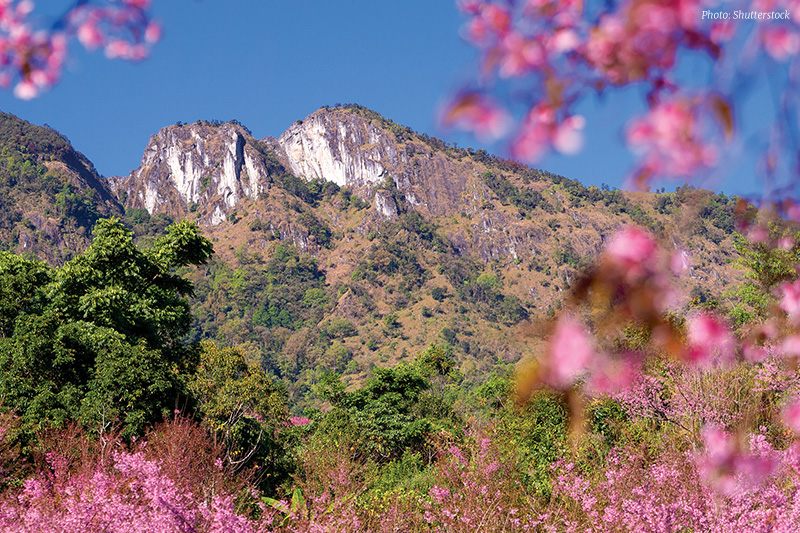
(351, 241)
(50, 194)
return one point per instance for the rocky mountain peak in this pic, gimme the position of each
(340, 146)
(210, 167)
(204, 165)
(355, 147)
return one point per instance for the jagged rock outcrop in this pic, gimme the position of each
(360, 149)
(200, 166)
(211, 168)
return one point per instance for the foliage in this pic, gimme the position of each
(100, 339)
(398, 408)
(243, 408)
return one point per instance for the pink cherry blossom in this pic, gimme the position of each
(477, 113)
(298, 420)
(791, 415)
(632, 251)
(542, 130)
(728, 470)
(569, 355)
(780, 42)
(32, 57)
(790, 299)
(710, 340)
(670, 139)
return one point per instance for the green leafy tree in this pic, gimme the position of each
(397, 409)
(766, 267)
(243, 407)
(100, 339)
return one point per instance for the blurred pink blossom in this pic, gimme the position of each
(710, 340)
(791, 415)
(477, 113)
(569, 355)
(780, 42)
(790, 299)
(632, 250)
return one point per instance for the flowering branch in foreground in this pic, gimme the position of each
(32, 58)
(690, 60)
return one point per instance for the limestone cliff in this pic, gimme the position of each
(357, 148)
(202, 166)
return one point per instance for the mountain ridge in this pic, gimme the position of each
(418, 243)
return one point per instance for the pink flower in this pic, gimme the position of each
(671, 140)
(568, 138)
(791, 415)
(569, 355)
(611, 376)
(710, 340)
(790, 347)
(89, 35)
(518, 55)
(727, 470)
(298, 421)
(780, 42)
(541, 130)
(632, 250)
(439, 494)
(790, 299)
(477, 113)
(26, 90)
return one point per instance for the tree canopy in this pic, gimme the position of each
(99, 339)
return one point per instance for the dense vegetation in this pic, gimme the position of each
(105, 393)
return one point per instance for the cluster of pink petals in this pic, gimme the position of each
(791, 415)
(710, 340)
(727, 470)
(632, 251)
(671, 140)
(780, 42)
(566, 50)
(298, 421)
(541, 130)
(479, 114)
(790, 299)
(569, 355)
(32, 59)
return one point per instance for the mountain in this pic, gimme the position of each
(50, 194)
(350, 241)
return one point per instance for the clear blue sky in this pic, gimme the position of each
(268, 63)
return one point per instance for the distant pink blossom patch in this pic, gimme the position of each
(298, 421)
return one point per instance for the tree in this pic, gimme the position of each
(397, 409)
(242, 407)
(100, 339)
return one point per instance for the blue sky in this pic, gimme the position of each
(268, 63)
